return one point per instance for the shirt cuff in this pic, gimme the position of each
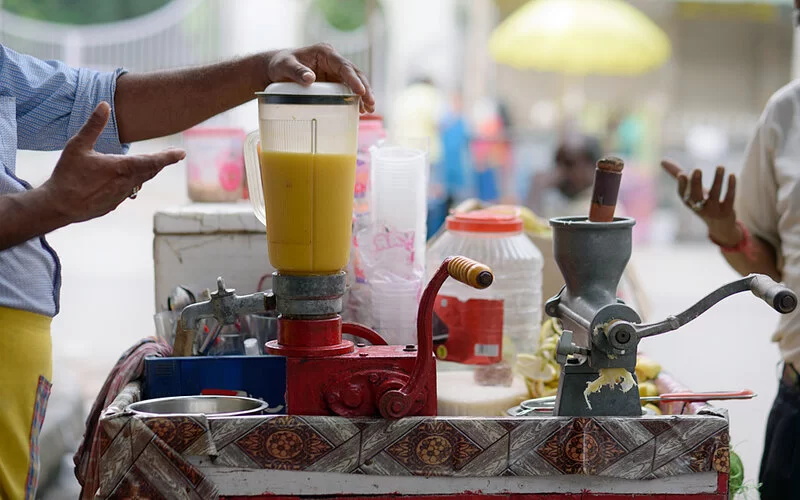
(94, 88)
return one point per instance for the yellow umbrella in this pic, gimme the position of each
(580, 37)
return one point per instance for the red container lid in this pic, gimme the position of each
(484, 221)
(370, 117)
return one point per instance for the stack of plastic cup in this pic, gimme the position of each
(394, 310)
(399, 193)
(398, 212)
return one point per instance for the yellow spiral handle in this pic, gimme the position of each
(469, 272)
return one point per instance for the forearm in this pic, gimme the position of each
(762, 259)
(150, 105)
(27, 215)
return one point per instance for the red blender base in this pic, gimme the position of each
(327, 375)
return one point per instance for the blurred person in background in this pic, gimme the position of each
(490, 150)
(756, 225)
(566, 189)
(92, 116)
(455, 151)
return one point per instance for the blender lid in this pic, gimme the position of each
(316, 93)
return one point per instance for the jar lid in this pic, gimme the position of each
(484, 221)
(316, 93)
(371, 118)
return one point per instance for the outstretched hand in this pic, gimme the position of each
(716, 211)
(86, 184)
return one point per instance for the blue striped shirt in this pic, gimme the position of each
(42, 105)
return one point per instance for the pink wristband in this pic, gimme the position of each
(744, 246)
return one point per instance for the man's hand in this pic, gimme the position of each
(716, 212)
(86, 184)
(320, 62)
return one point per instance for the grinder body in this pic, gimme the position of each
(592, 257)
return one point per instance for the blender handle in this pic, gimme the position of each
(252, 163)
(401, 402)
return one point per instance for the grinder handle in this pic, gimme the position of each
(776, 295)
(469, 272)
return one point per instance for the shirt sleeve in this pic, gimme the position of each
(757, 189)
(53, 101)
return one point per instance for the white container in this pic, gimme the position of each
(476, 339)
(196, 243)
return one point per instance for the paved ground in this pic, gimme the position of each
(108, 304)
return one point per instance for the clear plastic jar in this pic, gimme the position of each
(468, 335)
(215, 165)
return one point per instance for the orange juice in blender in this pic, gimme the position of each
(301, 167)
(305, 237)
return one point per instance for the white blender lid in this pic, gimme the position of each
(316, 88)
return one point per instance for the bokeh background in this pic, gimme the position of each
(699, 107)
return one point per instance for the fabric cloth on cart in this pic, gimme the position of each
(186, 454)
(145, 457)
(128, 368)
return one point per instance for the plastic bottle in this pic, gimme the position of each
(477, 333)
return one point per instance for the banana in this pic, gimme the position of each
(646, 369)
(647, 389)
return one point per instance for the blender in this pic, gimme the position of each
(301, 179)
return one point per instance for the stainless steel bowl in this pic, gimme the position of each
(212, 406)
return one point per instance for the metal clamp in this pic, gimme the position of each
(566, 347)
(224, 306)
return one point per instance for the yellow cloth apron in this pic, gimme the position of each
(26, 364)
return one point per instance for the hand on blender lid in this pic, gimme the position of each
(320, 63)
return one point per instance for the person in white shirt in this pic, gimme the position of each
(756, 224)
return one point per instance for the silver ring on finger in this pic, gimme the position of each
(134, 192)
(687, 194)
(697, 206)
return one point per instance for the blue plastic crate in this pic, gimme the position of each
(260, 377)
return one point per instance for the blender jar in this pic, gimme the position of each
(302, 174)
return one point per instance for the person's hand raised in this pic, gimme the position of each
(86, 184)
(716, 211)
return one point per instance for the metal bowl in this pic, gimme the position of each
(212, 406)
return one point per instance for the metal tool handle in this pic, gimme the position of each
(402, 402)
(184, 341)
(224, 306)
(700, 397)
(776, 295)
